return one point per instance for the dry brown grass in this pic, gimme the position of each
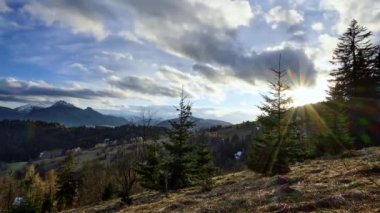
(329, 185)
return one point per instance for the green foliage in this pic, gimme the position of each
(27, 205)
(356, 83)
(180, 150)
(179, 163)
(268, 154)
(66, 183)
(203, 166)
(152, 170)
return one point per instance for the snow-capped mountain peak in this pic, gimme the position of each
(62, 104)
(27, 108)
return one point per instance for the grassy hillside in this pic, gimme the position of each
(349, 183)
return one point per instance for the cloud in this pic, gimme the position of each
(12, 87)
(80, 16)
(211, 73)
(118, 56)
(129, 36)
(4, 7)
(257, 65)
(143, 85)
(366, 12)
(199, 31)
(79, 66)
(278, 15)
(318, 26)
(105, 70)
(174, 75)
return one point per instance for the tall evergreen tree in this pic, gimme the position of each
(66, 183)
(376, 73)
(180, 149)
(353, 58)
(354, 81)
(268, 154)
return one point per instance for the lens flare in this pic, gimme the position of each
(291, 75)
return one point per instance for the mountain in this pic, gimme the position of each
(9, 114)
(199, 123)
(61, 112)
(27, 108)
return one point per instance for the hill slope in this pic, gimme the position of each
(338, 185)
(199, 123)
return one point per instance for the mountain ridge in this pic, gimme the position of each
(200, 123)
(61, 112)
(71, 116)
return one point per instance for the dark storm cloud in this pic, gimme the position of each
(144, 85)
(10, 87)
(209, 72)
(212, 42)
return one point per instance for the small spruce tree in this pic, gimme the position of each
(204, 166)
(66, 184)
(180, 150)
(268, 153)
(151, 170)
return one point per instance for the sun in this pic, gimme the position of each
(304, 95)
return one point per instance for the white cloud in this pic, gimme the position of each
(226, 13)
(318, 26)
(328, 42)
(325, 53)
(279, 15)
(79, 66)
(67, 17)
(118, 56)
(129, 36)
(105, 70)
(366, 12)
(296, 3)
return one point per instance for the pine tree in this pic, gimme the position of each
(179, 148)
(376, 74)
(355, 81)
(179, 163)
(204, 166)
(66, 183)
(353, 56)
(152, 170)
(268, 152)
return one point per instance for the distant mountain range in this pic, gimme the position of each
(199, 123)
(72, 116)
(61, 112)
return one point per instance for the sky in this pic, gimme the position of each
(123, 55)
